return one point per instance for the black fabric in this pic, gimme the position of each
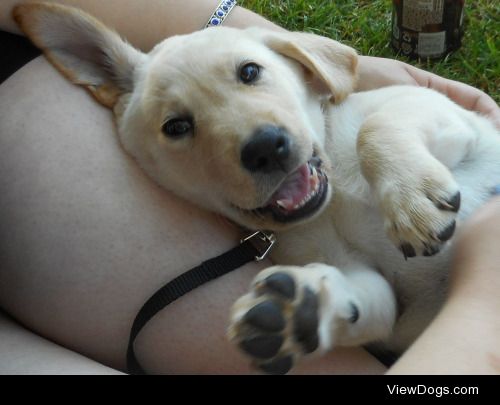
(15, 52)
(181, 285)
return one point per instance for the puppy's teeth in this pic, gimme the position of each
(314, 184)
(283, 204)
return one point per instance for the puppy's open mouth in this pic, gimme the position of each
(300, 195)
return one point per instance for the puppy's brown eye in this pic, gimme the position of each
(249, 73)
(177, 127)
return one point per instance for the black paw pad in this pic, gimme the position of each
(280, 365)
(281, 284)
(453, 204)
(262, 347)
(306, 322)
(448, 232)
(408, 250)
(266, 316)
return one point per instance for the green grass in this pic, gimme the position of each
(365, 25)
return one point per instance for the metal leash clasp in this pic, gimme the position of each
(263, 241)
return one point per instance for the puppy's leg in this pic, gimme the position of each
(415, 191)
(293, 311)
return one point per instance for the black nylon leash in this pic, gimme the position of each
(253, 247)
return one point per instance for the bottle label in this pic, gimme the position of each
(419, 13)
(431, 44)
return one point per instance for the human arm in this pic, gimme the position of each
(155, 22)
(378, 72)
(24, 352)
(463, 339)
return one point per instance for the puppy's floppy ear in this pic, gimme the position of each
(82, 48)
(332, 65)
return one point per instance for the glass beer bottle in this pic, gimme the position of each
(427, 28)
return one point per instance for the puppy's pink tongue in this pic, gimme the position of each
(294, 190)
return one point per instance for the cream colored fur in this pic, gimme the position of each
(393, 156)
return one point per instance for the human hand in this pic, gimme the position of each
(379, 72)
(476, 264)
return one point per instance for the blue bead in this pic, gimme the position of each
(220, 13)
(225, 8)
(215, 21)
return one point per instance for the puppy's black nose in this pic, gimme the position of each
(267, 150)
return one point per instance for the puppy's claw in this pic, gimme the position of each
(408, 250)
(447, 233)
(453, 204)
(354, 314)
(431, 250)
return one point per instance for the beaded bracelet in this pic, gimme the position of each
(220, 13)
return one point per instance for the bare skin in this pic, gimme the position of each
(27, 353)
(87, 238)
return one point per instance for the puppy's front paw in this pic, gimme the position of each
(279, 321)
(420, 211)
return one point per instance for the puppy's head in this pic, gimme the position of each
(230, 119)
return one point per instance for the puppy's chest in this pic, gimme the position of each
(346, 229)
(360, 227)
(358, 223)
(351, 231)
